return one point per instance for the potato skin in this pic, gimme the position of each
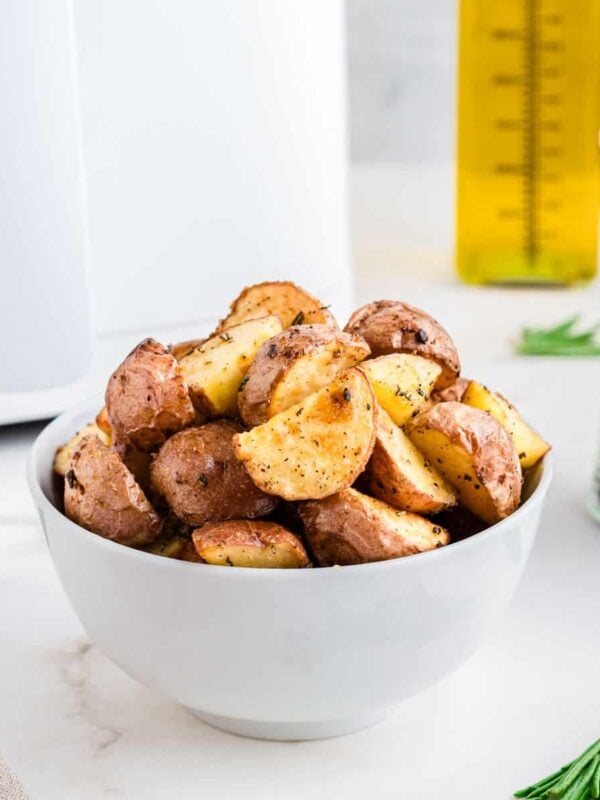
(146, 397)
(390, 326)
(490, 480)
(101, 495)
(453, 393)
(65, 452)
(295, 346)
(351, 528)
(282, 298)
(201, 480)
(243, 543)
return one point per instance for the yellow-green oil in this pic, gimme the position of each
(528, 181)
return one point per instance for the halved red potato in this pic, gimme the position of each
(389, 326)
(529, 445)
(146, 397)
(400, 475)
(197, 473)
(244, 543)
(103, 496)
(475, 454)
(351, 528)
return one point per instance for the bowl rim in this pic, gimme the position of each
(41, 444)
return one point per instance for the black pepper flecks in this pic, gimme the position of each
(202, 480)
(298, 319)
(272, 351)
(347, 394)
(421, 336)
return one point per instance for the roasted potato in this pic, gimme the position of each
(402, 383)
(316, 447)
(181, 349)
(197, 473)
(215, 369)
(529, 445)
(103, 422)
(293, 306)
(64, 454)
(295, 363)
(393, 327)
(351, 528)
(475, 454)
(173, 546)
(399, 475)
(453, 393)
(240, 543)
(146, 397)
(137, 461)
(103, 496)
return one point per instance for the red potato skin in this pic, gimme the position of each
(347, 528)
(453, 393)
(146, 397)
(390, 326)
(101, 495)
(201, 480)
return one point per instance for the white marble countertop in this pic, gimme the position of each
(74, 727)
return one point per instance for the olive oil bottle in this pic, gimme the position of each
(528, 181)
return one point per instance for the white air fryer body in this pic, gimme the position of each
(215, 156)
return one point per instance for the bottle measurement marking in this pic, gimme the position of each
(527, 150)
(534, 79)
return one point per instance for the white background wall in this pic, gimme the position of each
(402, 73)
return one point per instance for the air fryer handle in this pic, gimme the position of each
(45, 326)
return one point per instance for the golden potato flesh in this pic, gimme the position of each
(475, 454)
(241, 543)
(316, 447)
(65, 453)
(389, 326)
(200, 478)
(529, 445)
(146, 397)
(294, 364)
(180, 548)
(293, 306)
(402, 383)
(399, 474)
(103, 422)
(351, 528)
(103, 496)
(181, 349)
(215, 369)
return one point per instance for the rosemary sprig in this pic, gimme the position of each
(561, 340)
(578, 780)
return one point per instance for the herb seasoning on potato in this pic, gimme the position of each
(365, 441)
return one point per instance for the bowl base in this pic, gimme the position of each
(291, 731)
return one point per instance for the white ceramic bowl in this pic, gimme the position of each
(284, 654)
